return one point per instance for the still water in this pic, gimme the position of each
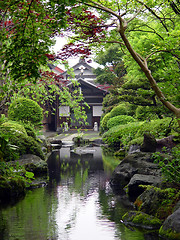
(77, 203)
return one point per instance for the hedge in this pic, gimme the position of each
(124, 134)
(119, 120)
(23, 109)
(19, 142)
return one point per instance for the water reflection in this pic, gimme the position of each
(77, 204)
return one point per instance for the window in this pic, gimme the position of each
(64, 111)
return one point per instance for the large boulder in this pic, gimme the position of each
(158, 202)
(149, 143)
(136, 163)
(33, 163)
(171, 227)
(141, 219)
(168, 142)
(135, 185)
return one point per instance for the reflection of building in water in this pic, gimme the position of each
(91, 154)
(72, 167)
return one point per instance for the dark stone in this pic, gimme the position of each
(37, 184)
(165, 142)
(171, 226)
(56, 141)
(155, 201)
(134, 188)
(11, 188)
(80, 141)
(141, 219)
(177, 206)
(33, 163)
(149, 143)
(136, 163)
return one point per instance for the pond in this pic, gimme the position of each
(77, 204)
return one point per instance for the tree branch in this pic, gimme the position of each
(135, 15)
(153, 13)
(100, 7)
(168, 51)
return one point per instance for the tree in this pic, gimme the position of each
(112, 70)
(135, 17)
(27, 29)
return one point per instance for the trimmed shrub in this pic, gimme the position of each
(24, 109)
(119, 120)
(18, 142)
(14, 127)
(124, 134)
(121, 134)
(121, 109)
(104, 121)
(27, 145)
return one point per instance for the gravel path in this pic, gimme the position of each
(68, 136)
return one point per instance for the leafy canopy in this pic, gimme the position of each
(147, 32)
(27, 28)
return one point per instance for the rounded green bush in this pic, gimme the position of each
(104, 122)
(19, 142)
(119, 120)
(14, 127)
(24, 109)
(121, 109)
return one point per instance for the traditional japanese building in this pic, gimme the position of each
(93, 95)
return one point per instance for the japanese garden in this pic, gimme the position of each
(90, 149)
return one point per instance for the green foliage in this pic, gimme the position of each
(24, 109)
(13, 179)
(14, 127)
(170, 165)
(159, 128)
(145, 112)
(124, 134)
(141, 219)
(29, 129)
(119, 120)
(111, 58)
(103, 124)
(27, 31)
(169, 234)
(109, 101)
(27, 145)
(121, 134)
(16, 141)
(149, 40)
(8, 151)
(2, 119)
(121, 109)
(137, 141)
